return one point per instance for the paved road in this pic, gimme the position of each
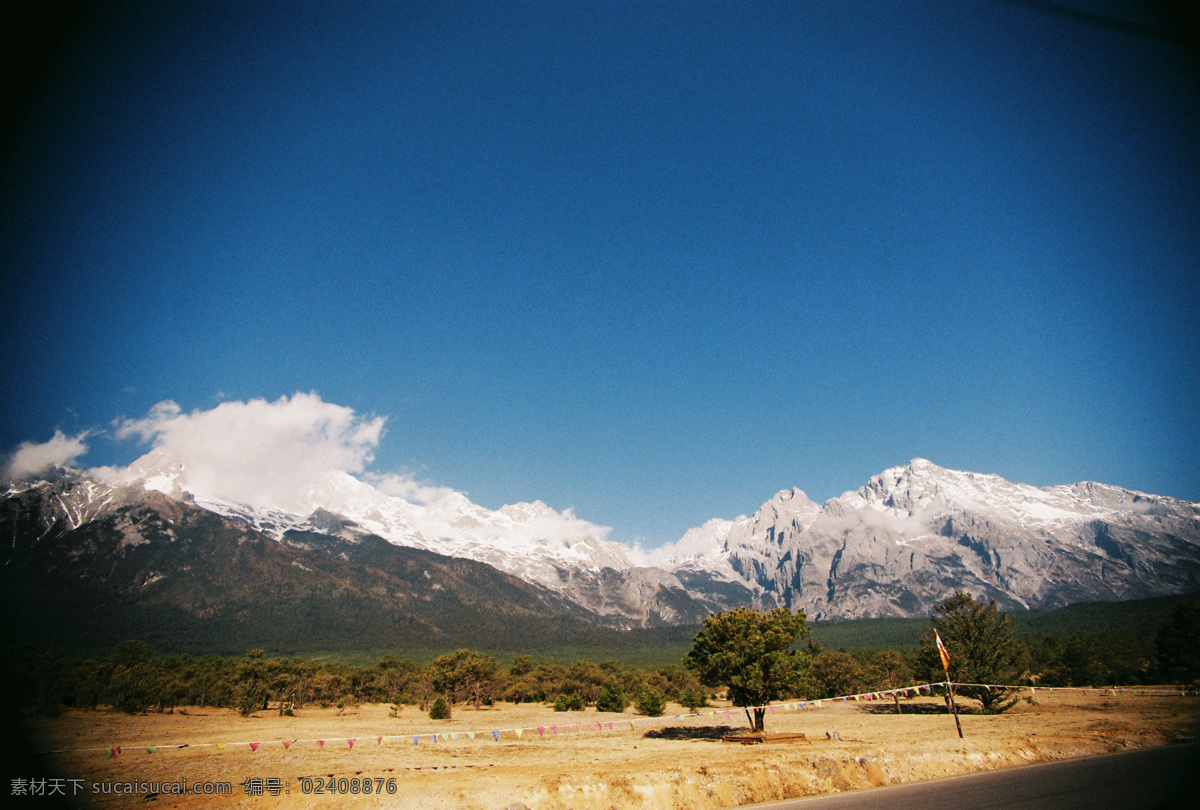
(1165, 778)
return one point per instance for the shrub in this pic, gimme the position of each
(650, 702)
(569, 703)
(131, 705)
(612, 699)
(250, 698)
(439, 710)
(693, 699)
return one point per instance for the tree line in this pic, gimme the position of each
(134, 680)
(750, 657)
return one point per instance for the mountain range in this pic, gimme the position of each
(91, 555)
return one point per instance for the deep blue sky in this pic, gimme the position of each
(651, 261)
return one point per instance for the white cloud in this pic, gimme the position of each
(562, 526)
(448, 513)
(31, 458)
(260, 453)
(299, 452)
(408, 489)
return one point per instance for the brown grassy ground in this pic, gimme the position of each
(668, 763)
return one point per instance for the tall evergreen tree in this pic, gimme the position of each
(982, 643)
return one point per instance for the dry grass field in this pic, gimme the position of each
(666, 763)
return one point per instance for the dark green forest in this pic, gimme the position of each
(1155, 641)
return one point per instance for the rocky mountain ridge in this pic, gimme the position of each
(85, 566)
(582, 575)
(914, 533)
(894, 547)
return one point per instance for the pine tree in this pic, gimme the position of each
(650, 702)
(612, 699)
(982, 643)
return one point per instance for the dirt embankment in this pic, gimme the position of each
(668, 763)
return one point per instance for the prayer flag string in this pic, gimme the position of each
(497, 735)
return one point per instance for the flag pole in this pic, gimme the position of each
(953, 708)
(945, 656)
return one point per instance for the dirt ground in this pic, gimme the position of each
(664, 763)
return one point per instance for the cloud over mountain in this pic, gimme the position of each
(296, 453)
(259, 453)
(31, 458)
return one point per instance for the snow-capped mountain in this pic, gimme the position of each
(85, 565)
(914, 533)
(895, 547)
(531, 541)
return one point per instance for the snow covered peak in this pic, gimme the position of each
(156, 470)
(697, 543)
(923, 487)
(530, 540)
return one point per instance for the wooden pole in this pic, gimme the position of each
(945, 656)
(953, 708)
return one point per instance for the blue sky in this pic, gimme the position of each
(649, 261)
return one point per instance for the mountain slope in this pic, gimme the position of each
(558, 552)
(87, 566)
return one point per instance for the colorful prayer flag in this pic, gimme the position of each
(253, 746)
(941, 648)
